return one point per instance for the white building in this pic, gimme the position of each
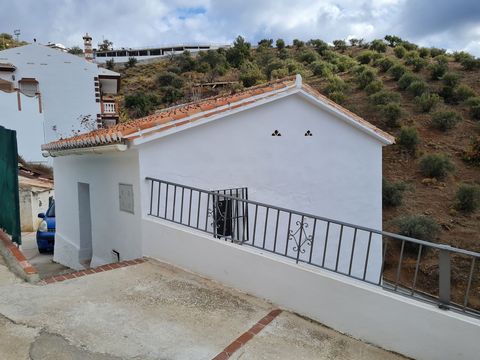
(47, 94)
(289, 145)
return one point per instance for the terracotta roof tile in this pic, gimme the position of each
(170, 118)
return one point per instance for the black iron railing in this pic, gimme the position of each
(426, 271)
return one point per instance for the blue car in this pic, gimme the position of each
(46, 230)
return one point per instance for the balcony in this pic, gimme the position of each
(109, 108)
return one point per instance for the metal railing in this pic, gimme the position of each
(411, 267)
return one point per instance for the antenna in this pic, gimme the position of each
(16, 32)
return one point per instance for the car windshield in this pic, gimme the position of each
(51, 211)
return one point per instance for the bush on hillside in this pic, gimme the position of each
(439, 67)
(397, 70)
(393, 40)
(308, 56)
(458, 56)
(467, 198)
(408, 139)
(171, 94)
(250, 74)
(406, 79)
(139, 104)
(392, 192)
(418, 64)
(472, 154)
(365, 77)
(337, 96)
(391, 114)
(464, 92)
(384, 64)
(435, 166)
(470, 63)
(373, 87)
(399, 51)
(340, 45)
(378, 45)
(418, 227)
(335, 84)
(321, 68)
(417, 88)
(474, 104)
(424, 52)
(450, 79)
(434, 52)
(365, 57)
(383, 97)
(170, 79)
(445, 120)
(427, 101)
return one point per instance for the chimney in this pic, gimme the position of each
(87, 44)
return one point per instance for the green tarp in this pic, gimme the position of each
(9, 198)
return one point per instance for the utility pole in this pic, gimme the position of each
(17, 34)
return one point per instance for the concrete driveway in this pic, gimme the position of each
(155, 311)
(44, 263)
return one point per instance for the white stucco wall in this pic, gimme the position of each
(366, 312)
(111, 228)
(66, 83)
(335, 173)
(33, 201)
(27, 122)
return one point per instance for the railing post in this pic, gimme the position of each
(444, 284)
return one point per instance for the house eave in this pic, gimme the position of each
(103, 149)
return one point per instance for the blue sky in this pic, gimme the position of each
(450, 24)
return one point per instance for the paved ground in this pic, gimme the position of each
(44, 263)
(154, 311)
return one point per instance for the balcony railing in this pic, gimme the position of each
(109, 108)
(411, 267)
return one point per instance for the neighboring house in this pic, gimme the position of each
(36, 194)
(289, 145)
(47, 94)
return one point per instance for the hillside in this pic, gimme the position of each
(367, 79)
(7, 41)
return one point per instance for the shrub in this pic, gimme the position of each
(132, 61)
(170, 79)
(110, 64)
(250, 74)
(399, 51)
(472, 155)
(321, 68)
(383, 97)
(391, 114)
(450, 79)
(396, 71)
(139, 103)
(424, 52)
(171, 94)
(474, 103)
(410, 56)
(365, 77)
(437, 70)
(365, 57)
(435, 166)
(384, 64)
(335, 84)
(308, 56)
(418, 64)
(445, 120)
(417, 88)
(427, 101)
(393, 40)
(434, 52)
(406, 79)
(470, 63)
(392, 192)
(409, 46)
(337, 96)
(378, 45)
(419, 227)
(458, 56)
(408, 139)
(467, 198)
(373, 87)
(280, 44)
(463, 92)
(340, 45)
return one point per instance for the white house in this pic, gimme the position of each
(47, 94)
(287, 144)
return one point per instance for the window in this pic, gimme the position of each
(126, 197)
(28, 86)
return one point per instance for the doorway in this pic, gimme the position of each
(85, 224)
